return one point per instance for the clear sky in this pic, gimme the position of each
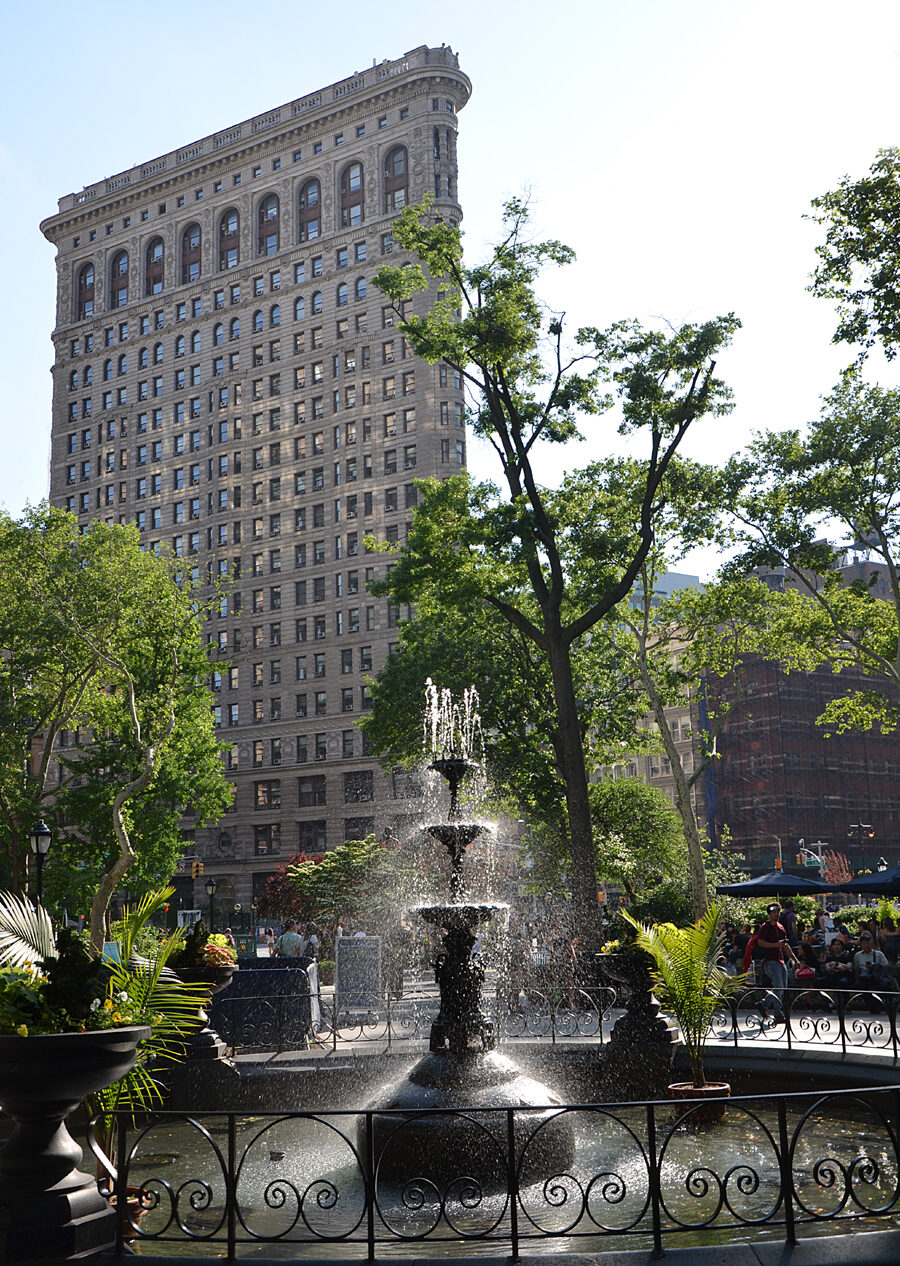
(675, 144)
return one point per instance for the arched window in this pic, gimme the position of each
(195, 341)
(268, 230)
(343, 294)
(360, 287)
(190, 254)
(275, 314)
(235, 331)
(300, 309)
(73, 380)
(84, 301)
(107, 370)
(123, 364)
(352, 195)
(218, 335)
(118, 280)
(158, 354)
(396, 179)
(257, 322)
(143, 358)
(229, 247)
(179, 345)
(88, 375)
(308, 212)
(153, 271)
(317, 302)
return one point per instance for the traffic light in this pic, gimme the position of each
(777, 863)
(799, 859)
(196, 870)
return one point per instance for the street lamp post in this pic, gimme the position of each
(861, 831)
(40, 846)
(211, 892)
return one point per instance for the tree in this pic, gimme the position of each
(859, 261)
(687, 651)
(487, 323)
(107, 714)
(835, 867)
(359, 879)
(840, 476)
(281, 899)
(637, 834)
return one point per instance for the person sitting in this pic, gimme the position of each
(889, 940)
(870, 965)
(838, 966)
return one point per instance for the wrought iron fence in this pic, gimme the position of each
(286, 1021)
(641, 1173)
(838, 1018)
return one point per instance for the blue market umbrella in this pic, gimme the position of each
(880, 883)
(776, 884)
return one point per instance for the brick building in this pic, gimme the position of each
(227, 378)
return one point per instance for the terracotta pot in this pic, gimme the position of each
(48, 1207)
(691, 1095)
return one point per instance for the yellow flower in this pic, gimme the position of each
(107, 1006)
(22, 1030)
(117, 1019)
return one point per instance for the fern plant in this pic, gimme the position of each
(689, 977)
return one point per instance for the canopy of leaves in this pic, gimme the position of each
(841, 475)
(102, 640)
(362, 879)
(859, 261)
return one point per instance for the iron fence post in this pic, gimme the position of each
(512, 1183)
(119, 1123)
(787, 1176)
(653, 1178)
(231, 1192)
(369, 1180)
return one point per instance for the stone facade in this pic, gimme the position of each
(227, 378)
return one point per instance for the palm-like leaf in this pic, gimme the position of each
(26, 933)
(689, 976)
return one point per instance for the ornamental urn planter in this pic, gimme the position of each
(205, 1043)
(49, 1208)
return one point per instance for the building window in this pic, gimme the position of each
(311, 836)
(359, 786)
(311, 790)
(118, 280)
(190, 254)
(308, 212)
(396, 179)
(352, 195)
(84, 302)
(229, 246)
(153, 270)
(267, 794)
(267, 839)
(268, 230)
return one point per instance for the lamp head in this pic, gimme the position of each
(210, 887)
(41, 836)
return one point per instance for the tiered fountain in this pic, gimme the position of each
(462, 1069)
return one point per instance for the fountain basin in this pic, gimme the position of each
(460, 916)
(434, 1131)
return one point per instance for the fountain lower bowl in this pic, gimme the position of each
(435, 1134)
(460, 915)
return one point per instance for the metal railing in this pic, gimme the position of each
(638, 1174)
(284, 1022)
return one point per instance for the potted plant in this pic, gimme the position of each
(689, 976)
(72, 1026)
(206, 958)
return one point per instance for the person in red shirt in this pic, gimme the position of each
(772, 940)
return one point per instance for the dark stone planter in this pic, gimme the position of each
(48, 1207)
(642, 1045)
(205, 1042)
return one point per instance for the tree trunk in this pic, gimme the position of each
(574, 772)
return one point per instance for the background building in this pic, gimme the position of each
(227, 379)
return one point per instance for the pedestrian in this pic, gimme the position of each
(290, 944)
(269, 941)
(772, 942)
(229, 937)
